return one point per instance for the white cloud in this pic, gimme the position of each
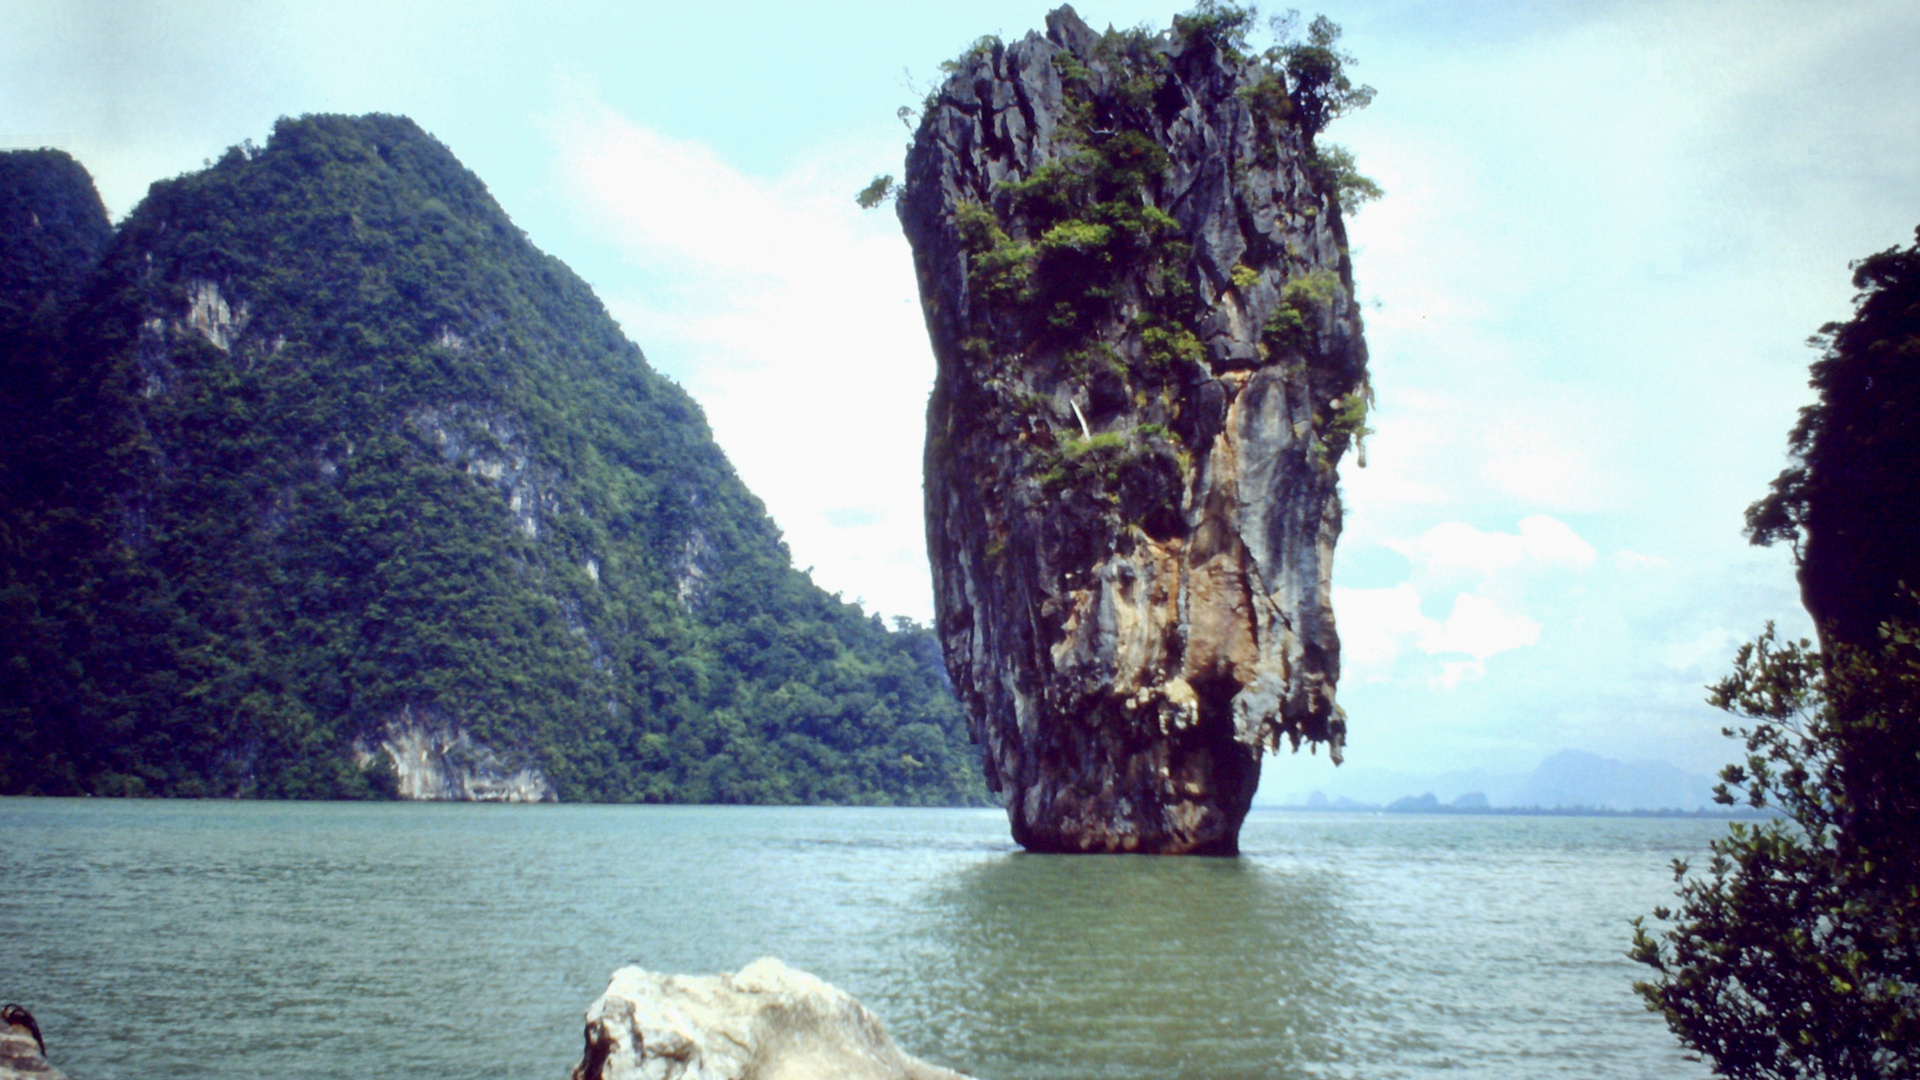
(1455, 672)
(1591, 301)
(1374, 625)
(1548, 460)
(1489, 576)
(1455, 548)
(791, 316)
(675, 201)
(1634, 562)
(1378, 625)
(1480, 628)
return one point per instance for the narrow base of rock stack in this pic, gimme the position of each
(1125, 794)
(768, 1022)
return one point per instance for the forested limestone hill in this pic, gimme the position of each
(53, 229)
(340, 486)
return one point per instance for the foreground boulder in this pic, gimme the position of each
(1135, 278)
(23, 1055)
(767, 1022)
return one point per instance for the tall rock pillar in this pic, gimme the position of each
(1135, 278)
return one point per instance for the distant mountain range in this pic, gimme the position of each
(1568, 779)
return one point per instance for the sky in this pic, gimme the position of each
(1609, 229)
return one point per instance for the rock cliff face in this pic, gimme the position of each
(1135, 277)
(435, 761)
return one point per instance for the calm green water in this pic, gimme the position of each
(157, 939)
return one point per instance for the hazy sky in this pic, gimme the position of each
(1609, 228)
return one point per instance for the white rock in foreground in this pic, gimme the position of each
(22, 1057)
(768, 1022)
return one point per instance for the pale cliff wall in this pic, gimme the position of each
(436, 761)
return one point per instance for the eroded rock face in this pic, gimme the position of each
(767, 1022)
(1135, 279)
(434, 760)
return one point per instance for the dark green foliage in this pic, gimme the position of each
(419, 472)
(1302, 81)
(1797, 954)
(1334, 167)
(881, 190)
(1081, 276)
(1850, 503)
(1094, 230)
(1321, 90)
(1216, 24)
(1097, 246)
(52, 231)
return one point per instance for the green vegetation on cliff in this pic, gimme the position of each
(1082, 261)
(53, 229)
(338, 449)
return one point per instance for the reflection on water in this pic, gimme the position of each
(164, 940)
(1148, 967)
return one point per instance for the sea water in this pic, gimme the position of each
(289, 940)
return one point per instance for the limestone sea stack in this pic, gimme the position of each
(1135, 277)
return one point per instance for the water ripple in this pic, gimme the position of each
(162, 940)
